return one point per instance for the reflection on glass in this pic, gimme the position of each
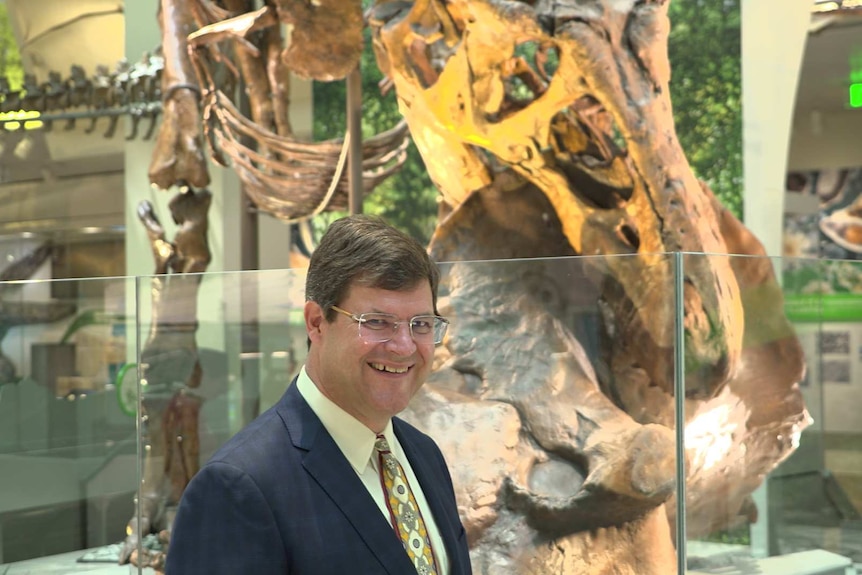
(778, 506)
(551, 431)
(67, 439)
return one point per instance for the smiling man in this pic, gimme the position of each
(329, 480)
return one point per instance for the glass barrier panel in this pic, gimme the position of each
(546, 416)
(67, 423)
(815, 497)
(551, 426)
(760, 497)
(216, 349)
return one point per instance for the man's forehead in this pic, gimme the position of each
(354, 287)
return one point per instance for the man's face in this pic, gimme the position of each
(371, 381)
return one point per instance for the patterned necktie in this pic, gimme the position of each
(403, 510)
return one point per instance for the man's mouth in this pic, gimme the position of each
(388, 368)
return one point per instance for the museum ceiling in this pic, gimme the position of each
(832, 59)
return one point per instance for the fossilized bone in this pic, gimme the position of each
(14, 313)
(547, 127)
(282, 175)
(565, 105)
(610, 59)
(170, 365)
(102, 95)
(132, 90)
(11, 98)
(33, 98)
(179, 152)
(80, 87)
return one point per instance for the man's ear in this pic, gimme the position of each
(314, 320)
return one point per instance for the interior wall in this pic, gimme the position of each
(773, 42)
(89, 200)
(825, 140)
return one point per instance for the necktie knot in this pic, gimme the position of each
(381, 444)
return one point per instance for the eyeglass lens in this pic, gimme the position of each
(380, 327)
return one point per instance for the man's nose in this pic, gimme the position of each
(402, 341)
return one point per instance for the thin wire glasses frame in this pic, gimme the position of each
(375, 327)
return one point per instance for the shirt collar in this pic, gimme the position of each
(352, 437)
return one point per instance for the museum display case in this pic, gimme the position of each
(68, 447)
(554, 399)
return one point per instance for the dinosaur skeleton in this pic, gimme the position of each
(547, 127)
(132, 89)
(282, 175)
(559, 112)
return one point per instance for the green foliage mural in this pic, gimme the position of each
(10, 57)
(706, 87)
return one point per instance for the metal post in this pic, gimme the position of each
(354, 129)
(679, 409)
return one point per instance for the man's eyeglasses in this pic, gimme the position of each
(380, 327)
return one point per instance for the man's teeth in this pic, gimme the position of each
(381, 367)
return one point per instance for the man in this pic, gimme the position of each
(329, 480)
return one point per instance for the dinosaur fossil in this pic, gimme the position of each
(547, 127)
(171, 367)
(560, 112)
(132, 89)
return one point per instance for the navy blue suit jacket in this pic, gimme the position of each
(280, 497)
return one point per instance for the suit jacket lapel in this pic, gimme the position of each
(324, 461)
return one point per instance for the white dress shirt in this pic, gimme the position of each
(356, 442)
